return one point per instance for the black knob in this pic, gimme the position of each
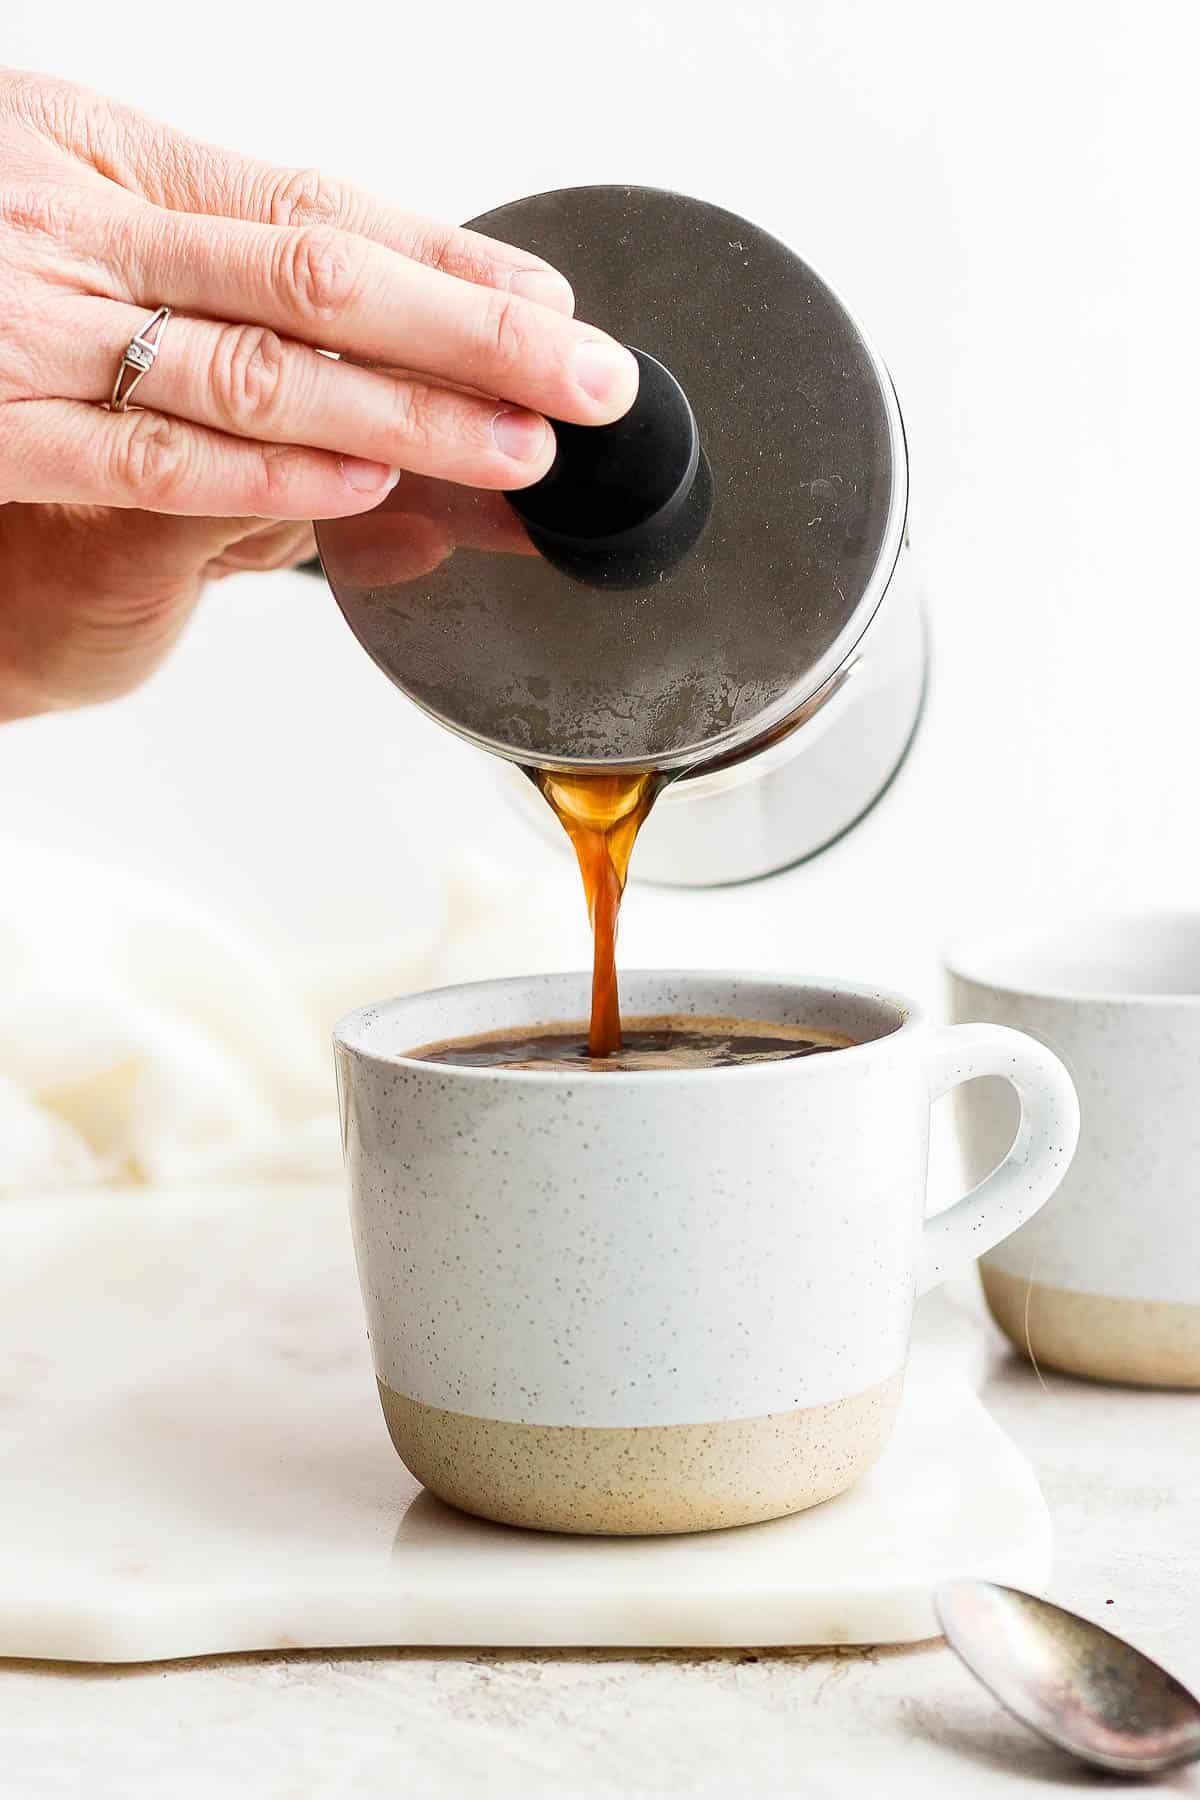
(622, 503)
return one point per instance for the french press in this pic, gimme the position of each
(715, 587)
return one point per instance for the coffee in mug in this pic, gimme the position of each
(651, 1045)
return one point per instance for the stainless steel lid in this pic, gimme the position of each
(680, 583)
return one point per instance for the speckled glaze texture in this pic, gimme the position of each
(666, 1253)
(1105, 1281)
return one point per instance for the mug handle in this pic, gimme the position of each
(1041, 1151)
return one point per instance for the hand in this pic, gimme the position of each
(104, 215)
(93, 597)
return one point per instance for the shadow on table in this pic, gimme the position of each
(979, 1732)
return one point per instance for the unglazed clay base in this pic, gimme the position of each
(642, 1479)
(192, 1459)
(1153, 1343)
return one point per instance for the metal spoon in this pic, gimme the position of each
(1072, 1682)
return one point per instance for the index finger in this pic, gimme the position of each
(188, 175)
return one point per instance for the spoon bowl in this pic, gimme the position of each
(1069, 1680)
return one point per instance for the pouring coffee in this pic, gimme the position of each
(666, 1285)
(687, 613)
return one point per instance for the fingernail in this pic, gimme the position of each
(521, 435)
(368, 477)
(606, 371)
(544, 287)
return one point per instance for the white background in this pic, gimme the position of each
(1006, 197)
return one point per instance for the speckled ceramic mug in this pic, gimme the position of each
(1106, 1281)
(662, 1300)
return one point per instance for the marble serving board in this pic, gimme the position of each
(192, 1459)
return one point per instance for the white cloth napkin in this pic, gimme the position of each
(143, 1040)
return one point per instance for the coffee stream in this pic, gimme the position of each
(602, 815)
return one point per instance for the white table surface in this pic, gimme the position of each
(1119, 1470)
(193, 1462)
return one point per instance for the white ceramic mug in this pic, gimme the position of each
(1106, 1281)
(667, 1300)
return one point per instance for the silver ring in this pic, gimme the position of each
(137, 358)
